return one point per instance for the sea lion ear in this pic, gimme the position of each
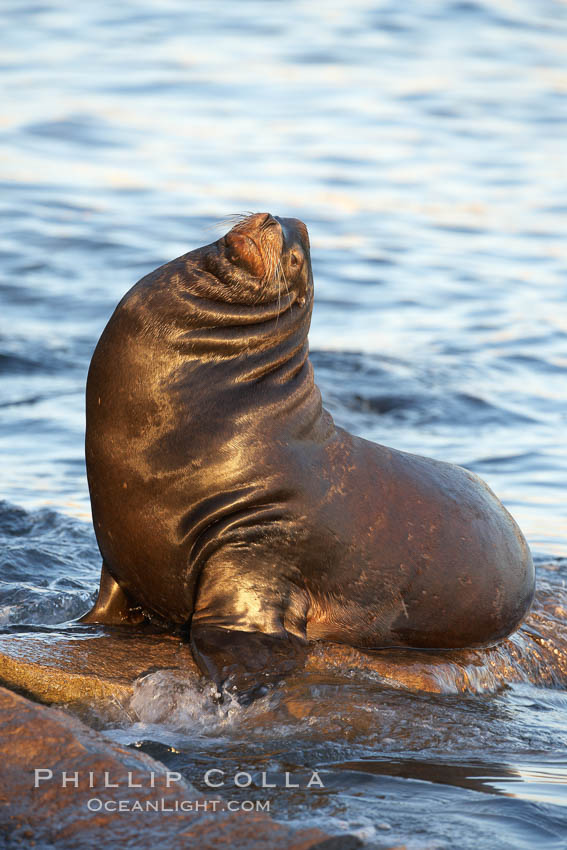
(243, 251)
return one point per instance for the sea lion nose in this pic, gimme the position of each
(284, 224)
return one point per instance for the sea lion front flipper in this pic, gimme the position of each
(112, 606)
(245, 663)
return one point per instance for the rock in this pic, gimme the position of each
(125, 674)
(86, 666)
(38, 738)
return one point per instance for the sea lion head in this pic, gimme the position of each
(263, 259)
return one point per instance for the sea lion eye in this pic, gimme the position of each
(294, 259)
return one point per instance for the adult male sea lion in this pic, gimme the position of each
(226, 500)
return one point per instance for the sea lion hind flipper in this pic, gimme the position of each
(245, 664)
(113, 607)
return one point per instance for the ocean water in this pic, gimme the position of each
(425, 147)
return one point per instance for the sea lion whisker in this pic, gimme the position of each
(233, 219)
(279, 299)
(284, 279)
(281, 278)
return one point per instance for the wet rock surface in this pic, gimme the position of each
(146, 682)
(89, 666)
(49, 815)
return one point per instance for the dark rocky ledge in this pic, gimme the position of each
(34, 736)
(97, 674)
(86, 667)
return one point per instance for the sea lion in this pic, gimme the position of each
(225, 499)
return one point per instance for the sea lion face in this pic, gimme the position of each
(265, 258)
